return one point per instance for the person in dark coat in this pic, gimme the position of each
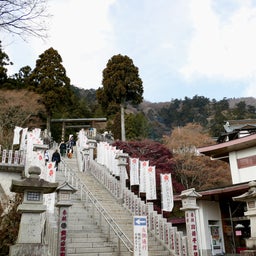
(63, 148)
(56, 158)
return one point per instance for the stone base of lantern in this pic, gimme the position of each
(251, 243)
(28, 249)
(248, 253)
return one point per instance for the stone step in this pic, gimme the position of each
(86, 250)
(85, 237)
(74, 235)
(96, 254)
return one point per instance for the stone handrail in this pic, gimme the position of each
(85, 194)
(12, 157)
(172, 239)
(51, 234)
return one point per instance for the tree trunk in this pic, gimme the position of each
(48, 125)
(122, 123)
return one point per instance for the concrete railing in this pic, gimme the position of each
(100, 213)
(172, 239)
(51, 234)
(164, 232)
(12, 157)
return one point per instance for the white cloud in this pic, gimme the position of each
(221, 48)
(208, 42)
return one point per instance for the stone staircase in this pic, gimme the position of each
(89, 233)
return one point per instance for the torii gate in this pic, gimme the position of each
(77, 120)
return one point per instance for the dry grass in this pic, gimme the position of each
(27, 100)
(19, 108)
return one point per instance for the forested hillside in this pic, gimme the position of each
(143, 120)
(211, 114)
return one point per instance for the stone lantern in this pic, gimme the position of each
(31, 228)
(64, 201)
(122, 163)
(91, 146)
(190, 207)
(250, 199)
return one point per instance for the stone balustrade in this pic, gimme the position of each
(12, 157)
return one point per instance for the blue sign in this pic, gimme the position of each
(140, 221)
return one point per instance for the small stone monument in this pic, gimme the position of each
(31, 231)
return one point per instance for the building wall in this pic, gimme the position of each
(243, 165)
(209, 213)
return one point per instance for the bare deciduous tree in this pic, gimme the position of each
(24, 17)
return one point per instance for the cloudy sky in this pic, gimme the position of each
(182, 48)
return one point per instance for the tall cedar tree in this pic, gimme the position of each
(50, 80)
(121, 84)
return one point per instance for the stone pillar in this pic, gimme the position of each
(250, 199)
(122, 163)
(190, 207)
(64, 192)
(92, 145)
(31, 231)
(63, 131)
(86, 159)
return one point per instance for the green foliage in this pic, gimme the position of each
(49, 79)
(121, 83)
(22, 76)
(114, 125)
(181, 112)
(210, 114)
(4, 61)
(137, 127)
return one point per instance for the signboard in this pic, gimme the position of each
(192, 233)
(63, 231)
(140, 236)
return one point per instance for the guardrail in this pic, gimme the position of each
(86, 195)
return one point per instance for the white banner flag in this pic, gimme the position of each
(143, 170)
(151, 183)
(49, 199)
(23, 142)
(167, 192)
(16, 137)
(134, 171)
